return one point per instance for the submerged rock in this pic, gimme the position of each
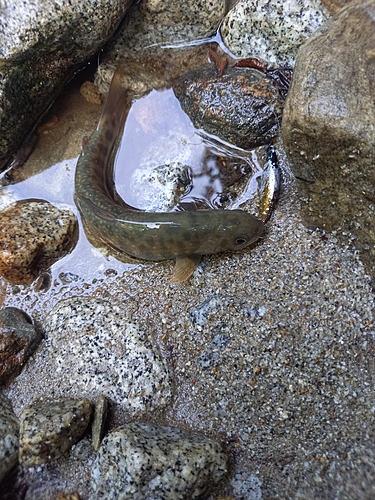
(328, 126)
(139, 44)
(154, 24)
(48, 430)
(242, 107)
(161, 187)
(270, 29)
(33, 235)
(18, 340)
(9, 430)
(38, 55)
(139, 461)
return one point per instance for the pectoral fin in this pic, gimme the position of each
(184, 268)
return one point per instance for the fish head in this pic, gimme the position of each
(235, 230)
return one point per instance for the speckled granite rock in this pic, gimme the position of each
(48, 430)
(93, 348)
(9, 430)
(328, 127)
(271, 30)
(140, 461)
(18, 340)
(33, 235)
(242, 107)
(38, 54)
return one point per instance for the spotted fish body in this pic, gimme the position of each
(184, 236)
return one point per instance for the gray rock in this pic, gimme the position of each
(139, 42)
(98, 423)
(140, 461)
(18, 340)
(48, 430)
(9, 430)
(154, 24)
(92, 347)
(328, 126)
(272, 30)
(160, 187)
(242, 107)
(34, 234)
(246, 486)
(38, 54)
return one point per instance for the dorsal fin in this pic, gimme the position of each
(117, 103)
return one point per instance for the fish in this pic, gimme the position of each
(153, 236)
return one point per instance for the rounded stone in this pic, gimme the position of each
(33, 235)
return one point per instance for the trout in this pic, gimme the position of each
(184, 236)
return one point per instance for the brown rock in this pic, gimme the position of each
(242, 106)
(68, 496)
(90, 93)
(18, 340)
(328, 126)
(33, 235)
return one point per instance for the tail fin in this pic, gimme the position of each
(116, 107)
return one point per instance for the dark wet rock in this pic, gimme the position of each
(328, 127)
(18, 340)
(98, 423)
(48, 430)
(9, 430)
(38, 54)
(242, 107)
(139, 461)
(270, 29)
(33, 235)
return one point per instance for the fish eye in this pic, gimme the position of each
(241, 240)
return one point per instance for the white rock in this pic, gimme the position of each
(271, 30)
